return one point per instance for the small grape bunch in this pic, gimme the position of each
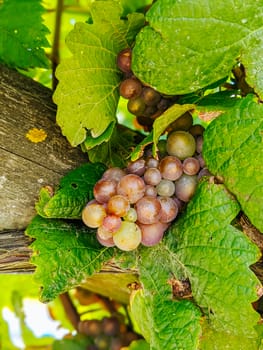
(136, 205)
(108, 333)
(143, 101)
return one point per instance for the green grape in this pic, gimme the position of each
(136, 106)
(128, 237)
(180, 144)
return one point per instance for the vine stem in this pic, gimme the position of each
(70, 309)
(55, 57)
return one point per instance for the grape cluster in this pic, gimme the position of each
(143, 101)
(107, 334)
(137, 204)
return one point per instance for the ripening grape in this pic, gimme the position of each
(180, 144)
(136, 106)
(150, 96)
(111, 326)
(131, 186)
(105, 242)
(185, 187)
(90, 327)
(124, 60)
(152, 234)
(113, 174)
(197, 130)
(165, 188)
(148, 210)
(102, 341)
(152, 176)
(130, 88)
(150, 191)
(131, 215)
(169, 209)
(151, 162)
(182, 123)
(170, 168)
(201, 160)
(104, 233)
(191, 166)
(137, 167)
(199, 143)
(128, 237)
(111, 223)
(104, 189)
(118, 205)
(93, 214)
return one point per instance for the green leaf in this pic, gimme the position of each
(65, 253)
(117, 150)
(139, 345)
(87, 94)
(216, 257)
(166, 324)
(189, 45)
(74, 191)
(23, 34)
(233, 149)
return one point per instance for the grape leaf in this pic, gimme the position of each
(139, 345)
(87, 94)
(23, 34)
(65, 253)
(74, 191)
(216, 258)
(189, 45)
(237, 157)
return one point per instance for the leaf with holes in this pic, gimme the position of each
(74, 191)
(65, 253)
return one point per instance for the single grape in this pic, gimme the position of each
(197, 130)
(93, 214)
(105, 242)
(113, 174)
(152, 234)
(118, 205)
(180, 144)
(182, 123)
(128, 337)
(151, 162)
(131, 215)
(130, 88)
(203, 172)
(191, 166)
(163, 104)
(104, 189)
(185, 187)
(124, 60)
(180, 204)
(111, 326)
(128, 237)
(104, 233)
(111, 223)
(150, 96)
(116, 344)
(148, 210)
(161, 145)
(199, 144)
(200, 159)
(137, 167)
(102, 341)
(136, 106)
(165, 188)
(131, 186)
(169, 209)
(150, 112)
(152, 176)
(90, 327)
(171, 168)
(150, 191)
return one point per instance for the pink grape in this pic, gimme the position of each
(171, 168)
(191, 166)
(148, 210)
(118, 205)
(185, 187)
(128, 237)
(113, 174)
(111, 223)
(152, 176)
(131, 186)
(169, 209)
(152, 234)
(151, 163)
(105, 242)
(104, 189)
(93, 214)
(104, 233)
(137, 167)
(150, 191)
